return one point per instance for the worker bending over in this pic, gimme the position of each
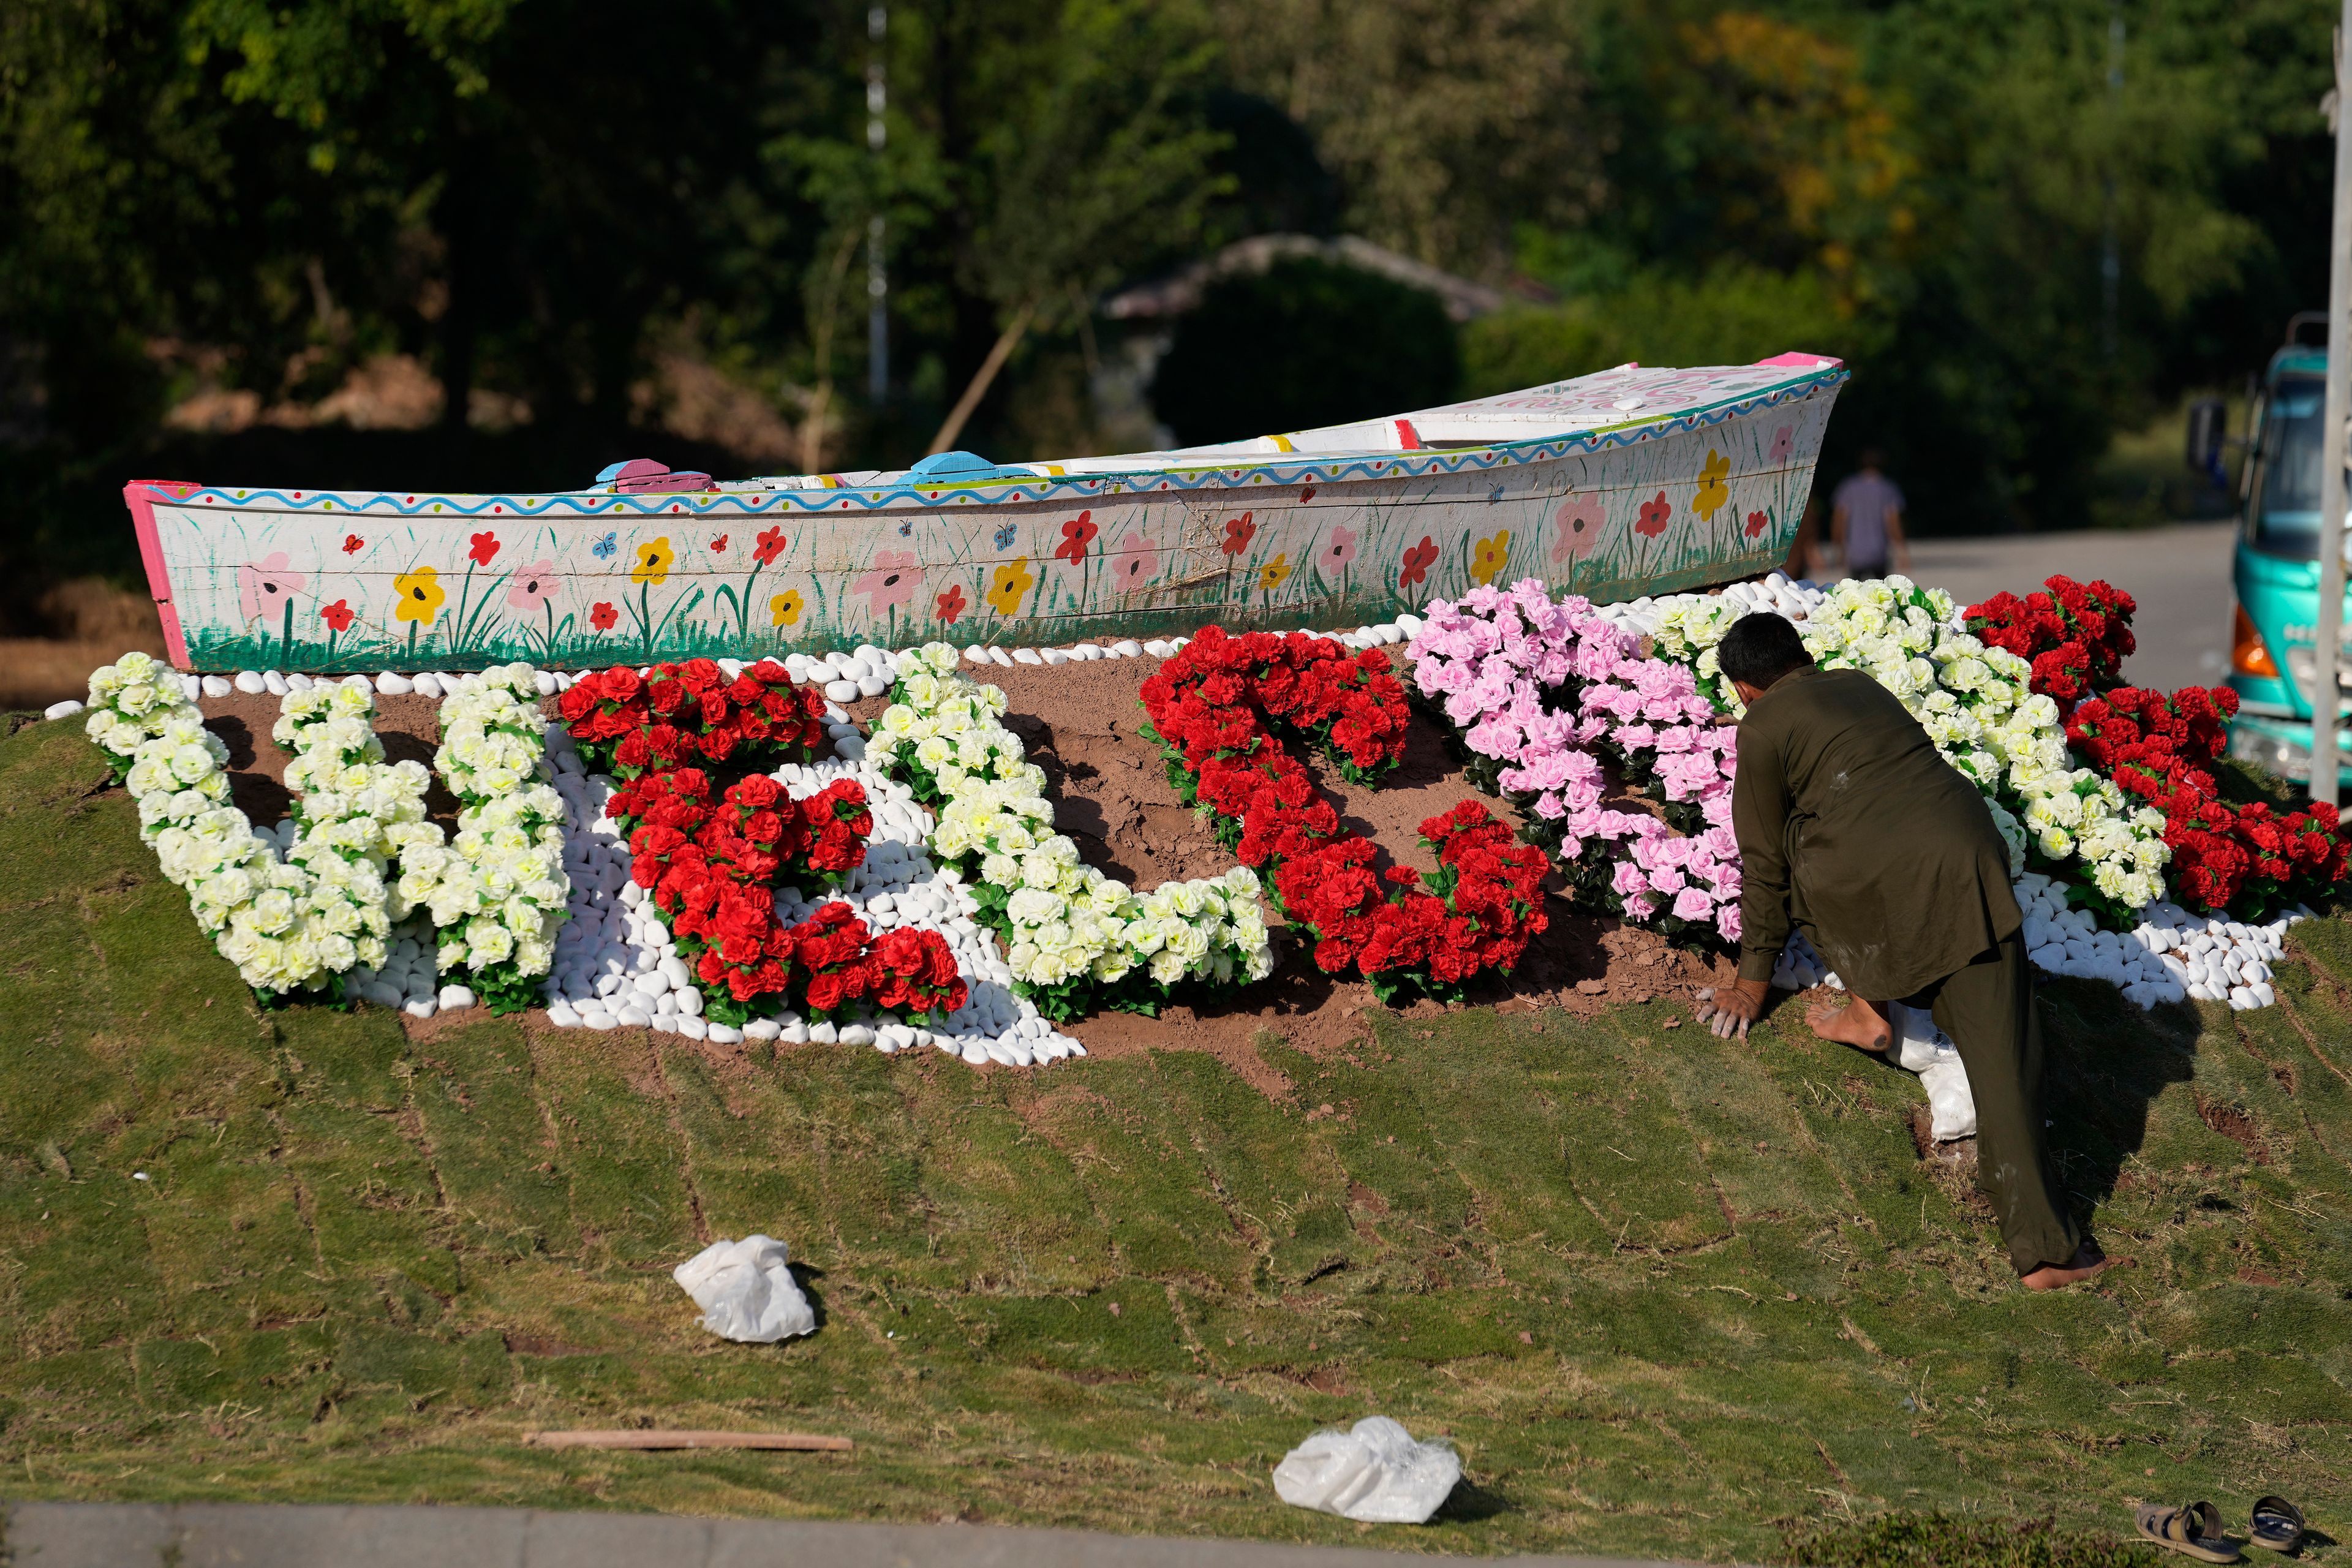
(1854, 829)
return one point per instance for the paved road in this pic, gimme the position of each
(260, 1535)
(2179, 574)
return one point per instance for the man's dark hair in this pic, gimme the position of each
(1760, 647)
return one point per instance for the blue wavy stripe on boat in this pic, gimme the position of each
(757, 503)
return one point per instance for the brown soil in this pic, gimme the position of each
(1081, 723)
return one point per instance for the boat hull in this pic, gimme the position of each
(335, 581)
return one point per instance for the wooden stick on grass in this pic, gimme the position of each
(803, 1441)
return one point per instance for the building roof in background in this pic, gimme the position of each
(1179, 292)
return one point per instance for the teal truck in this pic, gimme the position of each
(2274, 662)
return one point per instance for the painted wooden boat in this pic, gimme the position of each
(1635, 480)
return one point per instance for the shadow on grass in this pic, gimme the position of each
(2108, 1062)
(1469, 1502)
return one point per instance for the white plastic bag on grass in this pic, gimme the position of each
(1374, 1474)
(1951, 1106)
(1919, 1043)
(745, 1291)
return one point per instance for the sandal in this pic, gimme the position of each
(2277, 1524)
(2194, 1532)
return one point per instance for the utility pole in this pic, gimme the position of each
(2328, 674)
(877, 263)
(2111, 262)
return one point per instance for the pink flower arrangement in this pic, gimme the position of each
(1554, 698)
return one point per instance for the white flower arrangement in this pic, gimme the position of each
(497, 890)
(1063, 921)
(1978, 705)
(288, 925)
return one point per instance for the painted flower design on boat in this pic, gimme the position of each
(1655, 513)
(1008, 586)
(654, 558)
(1578, 522)
(784, 609)
(486, 545)
(1077, 538)
(1413, 570)
(1757, 523)
(338, 615)
(1135, 562)
(770, 544)
(421, 595)
(950, 606)
(533, 586)
(1273, 574)
(265, 588)
(1713, 494)
(603, 617)
(1784, 442)
(891, 582)
(1338, 549)
(1490, 557)
(1239, 531)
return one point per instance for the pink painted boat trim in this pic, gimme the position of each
(1803, 361)
(140, 495)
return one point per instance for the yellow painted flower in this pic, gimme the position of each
(421, 595)
(1713, 493)
(786, 607)
(1008, 586)
(654, 562)
(1486, 563)
(1270, 575)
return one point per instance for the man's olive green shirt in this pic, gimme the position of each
(1851, 826)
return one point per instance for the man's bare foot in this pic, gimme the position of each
(1857, 1024)
(2088, 1262)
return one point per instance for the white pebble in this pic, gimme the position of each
(720, 1035)
(456, 996)
(216, 686)
(762, 1029)
(1055, 656)
(419, 1007)
(1127, 648)
(428, 685)
(249, 682)
(65, 709)
(560, 1014)
(841, 690)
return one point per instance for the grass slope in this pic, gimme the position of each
(1668, 1294)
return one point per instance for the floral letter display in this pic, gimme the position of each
(711, 857)
(1217, 706)
(1075, 939)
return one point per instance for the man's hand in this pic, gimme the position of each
(1731, 1008)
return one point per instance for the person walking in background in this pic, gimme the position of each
(1866, 522)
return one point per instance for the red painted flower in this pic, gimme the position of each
(353, 544)
(484, 546)
(1418, 559)
(718, 545)
(1653, 517)
(1077, 535)
(1239, 531)
(338, 616)
(603, 617)
(770, 546)
(950, 605)
(1757, 521)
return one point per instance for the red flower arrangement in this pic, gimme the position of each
(1210, 706)
(712, 864)
(2075, 634)
(2242, 854)
(691, 713)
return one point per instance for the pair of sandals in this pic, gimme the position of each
(2195, 1530)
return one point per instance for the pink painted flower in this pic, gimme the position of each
(1135, 562)
(1784, 441)
(533, 586)
(1578, 522)
(1338, 549)
(264, 587)
(891, 581)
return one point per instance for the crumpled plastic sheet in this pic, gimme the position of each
(1929, 1052)
(745, 1291)
(1373, 1473)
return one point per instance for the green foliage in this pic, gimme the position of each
(1938, 1541)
